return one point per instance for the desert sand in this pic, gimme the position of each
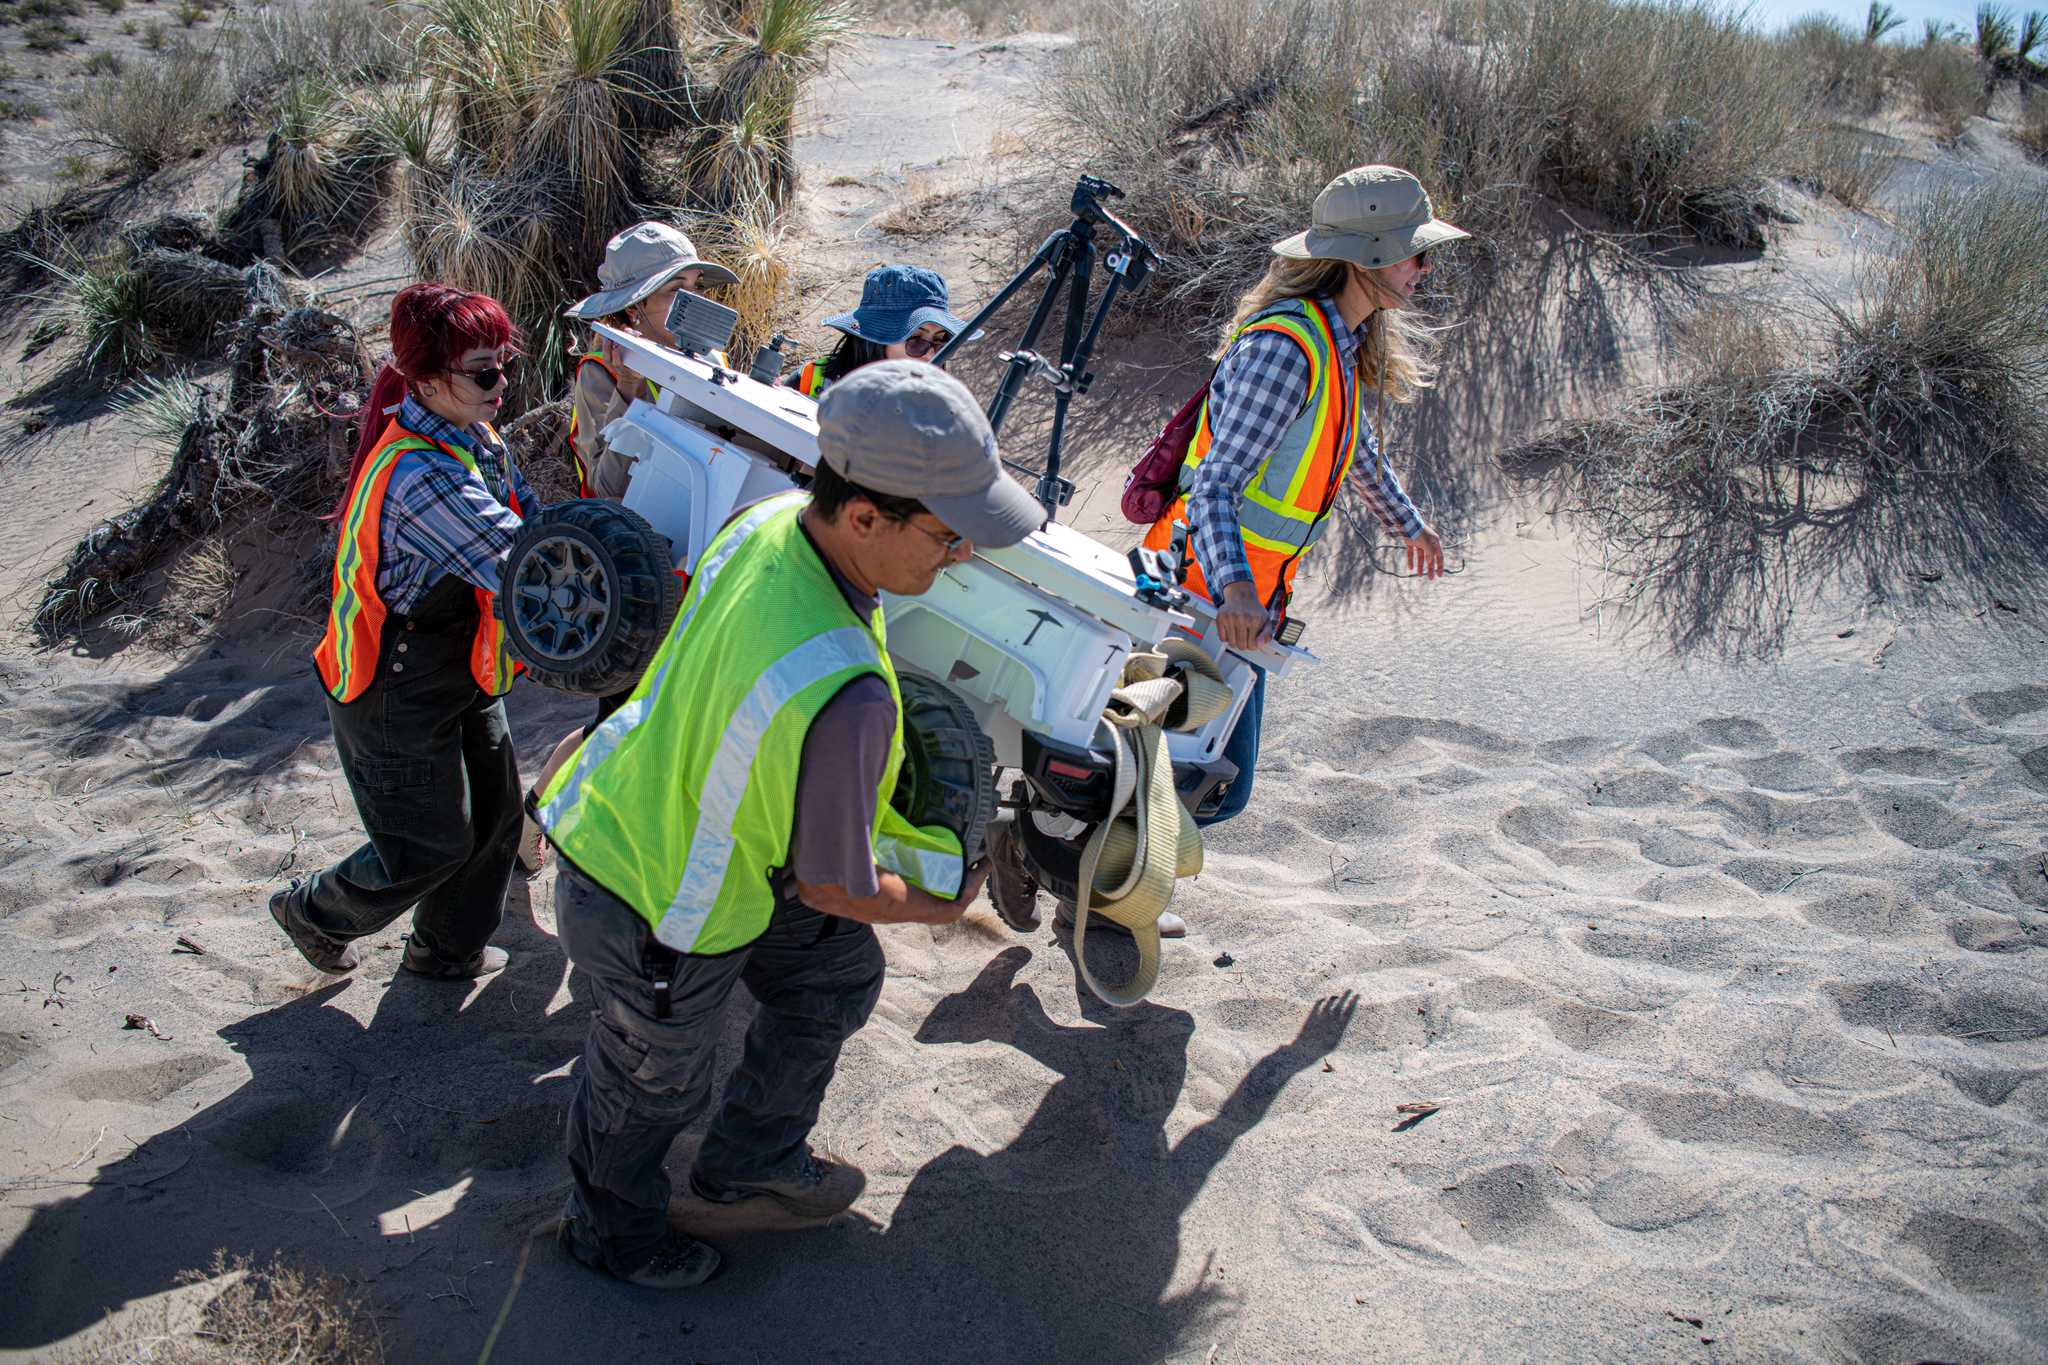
(1720, 970)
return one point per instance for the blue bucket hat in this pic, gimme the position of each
(896, 300)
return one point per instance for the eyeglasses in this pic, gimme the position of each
(918, 345)
(490, 376)
(950, 544)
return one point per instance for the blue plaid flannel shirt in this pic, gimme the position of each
(440, 519)
(1260, 386)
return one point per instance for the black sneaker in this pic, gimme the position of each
(336, 957)
(1011, 888)
(818, 1189)
(678, 1262)
(423, 962)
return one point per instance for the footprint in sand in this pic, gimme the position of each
(1914, 819)
(1992, 1007)
(1981, 1257)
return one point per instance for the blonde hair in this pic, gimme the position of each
(1398, 356)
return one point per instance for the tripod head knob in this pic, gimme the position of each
(1089, 191)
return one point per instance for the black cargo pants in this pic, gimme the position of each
(645, 1078)
(430, 761)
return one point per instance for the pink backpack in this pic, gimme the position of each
(1154, 482)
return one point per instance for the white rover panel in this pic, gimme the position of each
(1033, 636)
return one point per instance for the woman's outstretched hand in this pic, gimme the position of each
(1426, 554)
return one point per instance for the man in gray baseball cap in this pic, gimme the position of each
(732, 822)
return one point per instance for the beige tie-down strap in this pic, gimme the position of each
(1133, 858)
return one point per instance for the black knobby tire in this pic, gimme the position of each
(586, 595)
(949, 765)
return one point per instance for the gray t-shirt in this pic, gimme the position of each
(845, 753)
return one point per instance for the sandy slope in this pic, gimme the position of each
(1725, 977)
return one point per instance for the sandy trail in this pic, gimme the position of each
(1726, 979)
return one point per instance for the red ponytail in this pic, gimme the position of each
(431, 326)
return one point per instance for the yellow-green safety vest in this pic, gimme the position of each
(681, 803)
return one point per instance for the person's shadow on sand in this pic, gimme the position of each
(351, 1145)
(1051, 1248)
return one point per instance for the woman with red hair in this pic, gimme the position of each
(414, 659)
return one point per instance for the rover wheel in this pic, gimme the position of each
(586, 595)
(949, 765)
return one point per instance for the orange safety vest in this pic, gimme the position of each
(591, 358)
(810, 380)
(347, 654)
(1292, 491)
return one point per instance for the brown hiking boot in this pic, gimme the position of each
(484, 962)
(334, 956)
(817, 1189)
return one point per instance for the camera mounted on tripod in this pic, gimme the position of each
(1070, 256)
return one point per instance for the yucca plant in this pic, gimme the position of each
(747, 160)
(779, 43)
(1995, 32)
(1879, 21)
(2033, 32)
(314, 135)
(103, 302)
(160, 407)
(577, 104)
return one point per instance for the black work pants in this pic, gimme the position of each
(645, 1078)
(429, 758)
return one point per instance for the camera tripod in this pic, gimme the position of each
(1070, 255)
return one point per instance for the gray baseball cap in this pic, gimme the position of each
(910, 429)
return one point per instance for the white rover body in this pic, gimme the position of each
(1033, 637)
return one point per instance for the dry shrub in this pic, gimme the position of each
(259, 1316)
(1846, 162)
(1847, 70)
(2031, 132)
(1909, 434)
(1666, 119)
(756, 248)
(155, 113)
(1947, 87)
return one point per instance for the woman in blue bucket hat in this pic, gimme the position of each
(903, 315)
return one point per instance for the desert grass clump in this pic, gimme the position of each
(1897, 431)
(319, 181)
(341, 42)
(104, 303)
(1947, 87)
(259, 1315)
(1848, 71)
(160, 407)
(753, 245)
(155, 113)
(1846, 162)
(51, 35)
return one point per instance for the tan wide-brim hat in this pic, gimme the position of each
(1370, 216)
(641, 260)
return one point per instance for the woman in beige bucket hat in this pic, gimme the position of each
(1277, 437)
(644, 268)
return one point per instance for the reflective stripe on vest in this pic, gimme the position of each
(347, 654)
(682, 802)
(1285, 507)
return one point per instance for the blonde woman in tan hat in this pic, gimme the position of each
(644, 268)
(1317, 349)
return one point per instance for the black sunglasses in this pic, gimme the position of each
(919, 345)
(490, 376)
